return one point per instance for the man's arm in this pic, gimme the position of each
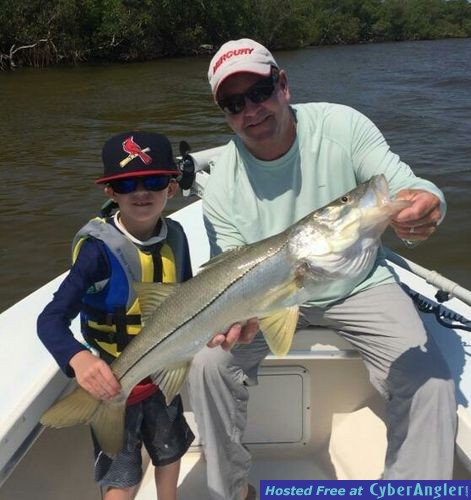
(241, 334)
(371, 156)
(420, 220)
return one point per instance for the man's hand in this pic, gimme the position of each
(236, 333)
(418, 221)
(94, 375)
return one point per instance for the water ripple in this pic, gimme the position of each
(55, 121)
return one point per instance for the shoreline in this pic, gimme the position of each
(207, 50)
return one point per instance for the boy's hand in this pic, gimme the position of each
(94, 375)
(236, 333)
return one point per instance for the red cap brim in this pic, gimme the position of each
(142, 173)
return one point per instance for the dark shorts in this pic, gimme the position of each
(164, 432)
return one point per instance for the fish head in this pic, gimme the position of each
(361, 214)
(346, 227)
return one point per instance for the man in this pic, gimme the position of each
(284, 162)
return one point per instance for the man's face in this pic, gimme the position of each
(258, 124)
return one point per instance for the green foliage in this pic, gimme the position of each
(40, 32)
(279, 23)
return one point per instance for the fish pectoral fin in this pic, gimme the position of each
(80, 407)
(279, 328)
(280, 294)
(151, 295)
(171, 380)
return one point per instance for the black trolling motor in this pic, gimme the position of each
(186, 166)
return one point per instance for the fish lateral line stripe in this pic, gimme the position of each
(205, 307)
(231, 284)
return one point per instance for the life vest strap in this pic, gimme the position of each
(108, 318)
(92, 335)
(122, 337)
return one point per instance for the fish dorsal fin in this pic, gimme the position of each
(151, 295)
(171, 380)
(279, 328)
(228, 254)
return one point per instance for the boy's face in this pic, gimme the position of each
(142, 199)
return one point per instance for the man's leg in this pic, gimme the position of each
(217, 387)
(408, 370)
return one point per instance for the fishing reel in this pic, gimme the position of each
(186, 165)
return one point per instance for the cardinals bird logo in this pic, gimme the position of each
(133, 150)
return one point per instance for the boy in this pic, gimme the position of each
(135, 244)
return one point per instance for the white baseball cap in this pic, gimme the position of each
(239, 56)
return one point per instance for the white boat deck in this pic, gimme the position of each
(323, 422)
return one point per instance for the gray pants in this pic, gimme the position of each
(404, 366)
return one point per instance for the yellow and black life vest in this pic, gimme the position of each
(110, 314)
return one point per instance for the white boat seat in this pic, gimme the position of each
(320, 343)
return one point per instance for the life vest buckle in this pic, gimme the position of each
(110, 338)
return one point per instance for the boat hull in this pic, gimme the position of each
(334, 431)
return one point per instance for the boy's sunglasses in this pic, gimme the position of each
(150, 183)
(259, 92)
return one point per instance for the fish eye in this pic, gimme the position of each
(345, 199)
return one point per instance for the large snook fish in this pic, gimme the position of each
(268, 279)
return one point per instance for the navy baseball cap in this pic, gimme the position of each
(133, 154)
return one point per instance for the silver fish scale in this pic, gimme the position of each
(255, 280)
(198, 309)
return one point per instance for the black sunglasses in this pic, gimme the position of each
(259, 92)
(150, 183)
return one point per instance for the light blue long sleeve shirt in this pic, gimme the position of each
(336, 148)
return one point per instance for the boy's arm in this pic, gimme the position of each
(91, 372)
(94, 375)
(54, 322)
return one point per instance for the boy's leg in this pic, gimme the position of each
(119, 476)
(119, 493)
(408, 370)
(166, 479)
(217, 387)
(166, 436)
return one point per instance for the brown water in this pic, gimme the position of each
(54, 122)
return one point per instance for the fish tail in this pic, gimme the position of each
(80, 407)
(108, 427)
(76, 408)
